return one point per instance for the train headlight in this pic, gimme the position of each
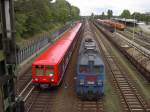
(51, 75)
(52, 80)
(99, 82)
(81, 82)
(36, 79)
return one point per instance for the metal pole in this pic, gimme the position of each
(9, 48)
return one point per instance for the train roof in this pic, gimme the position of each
(94, 56)
(55, 52)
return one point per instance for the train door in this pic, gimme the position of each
(60, 68)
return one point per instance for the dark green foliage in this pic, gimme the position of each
(141, 17)
(103, 15)
(21, 24)
(75, 12)
(35, 16)
(109, 13)
(126, 14)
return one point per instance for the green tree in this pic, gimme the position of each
(109, 13)
(141, 17)
(75, 12)
(103, 15)
(34, 16)
(92, 15)
(21, 24)
(126, 14)
(137, 16)
(62, 11)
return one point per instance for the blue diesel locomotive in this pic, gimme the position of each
(90, 68)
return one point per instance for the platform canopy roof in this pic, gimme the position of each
(125, 20)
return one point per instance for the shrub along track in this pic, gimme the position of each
(130, 98)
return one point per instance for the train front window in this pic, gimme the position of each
(98, 69)
(49, 71)
(39, 70)
(84, 69)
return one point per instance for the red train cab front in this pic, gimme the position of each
(49, 67)
(44, 74)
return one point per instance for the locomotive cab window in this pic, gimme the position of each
(84, 69)
(98, 69)
(39, 70)
(49, 70)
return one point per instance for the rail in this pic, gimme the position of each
(140, 64)
(133, 101)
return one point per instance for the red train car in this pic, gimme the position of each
(113, 24)
(49, 67)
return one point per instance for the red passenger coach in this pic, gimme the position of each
(50, 66)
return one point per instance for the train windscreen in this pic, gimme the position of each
(98, 69)
(39, 70)
(49, 71)
(84, 69)
(91, 70)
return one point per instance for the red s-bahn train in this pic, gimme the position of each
(48, 69)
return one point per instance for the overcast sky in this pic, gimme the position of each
(99, 6)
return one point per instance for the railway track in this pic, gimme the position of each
(130, 98)
(136, 54)
(39, 101)
(22, 81)
(138, 40)
(90, 106)
(63, 98)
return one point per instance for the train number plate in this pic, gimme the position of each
(90, 82)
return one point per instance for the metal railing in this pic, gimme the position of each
(35, 45)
